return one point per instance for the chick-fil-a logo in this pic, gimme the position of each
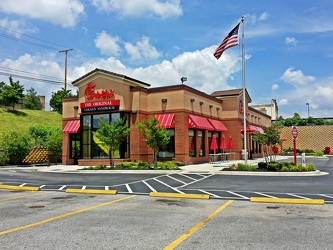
(90, 93)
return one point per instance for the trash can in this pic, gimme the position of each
(327, 150)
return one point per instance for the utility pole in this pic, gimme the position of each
(65, 81)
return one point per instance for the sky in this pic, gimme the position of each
(288, 46)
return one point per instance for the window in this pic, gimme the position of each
(201, 142)
(169, 150)
(192, 142)
(91, 147)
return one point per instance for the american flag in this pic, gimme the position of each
(229, 41)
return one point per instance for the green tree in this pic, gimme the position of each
(11, 94)
(156, 136)
(270, 138)
(56, 99)
(111, 136)
(15, 145)
(54, 142)
(40, 133)
(31, 100)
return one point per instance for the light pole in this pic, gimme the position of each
(308, 109)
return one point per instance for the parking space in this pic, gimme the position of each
(58, 220)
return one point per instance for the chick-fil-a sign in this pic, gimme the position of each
(90, 93)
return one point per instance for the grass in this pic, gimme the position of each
(21, 120)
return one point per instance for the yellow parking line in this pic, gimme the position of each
(288, 200)
(177, 195)
(63, 215)
(23, 196)
(196, 227)
(20, 188)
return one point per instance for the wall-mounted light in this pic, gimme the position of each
(134, 111)
(218, 108)
(76, 107)
(210, 106)
(183, 79)
(164, 100)
(201, 103)
(192, 100)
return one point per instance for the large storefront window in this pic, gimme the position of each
(192, 142)
(91, 146)
(169, 150)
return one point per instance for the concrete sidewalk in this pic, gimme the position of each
(204, 168)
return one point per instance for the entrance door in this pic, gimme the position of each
(75, 147)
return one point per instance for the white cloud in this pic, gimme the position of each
(264, 16)
(142, 49)
(322, 91)
(16, 27)
(140, 8)
(283, 102)
(107, 44)
(275, 86)
(291, 41)
(62, 12)
(296, 77)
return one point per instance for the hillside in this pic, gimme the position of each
(21, 120)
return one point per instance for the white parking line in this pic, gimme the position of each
(211, 194)
(42, 186)
(23, 184)
(188, 177)
(325, 195)
(205, 177)
(265, 195)
(176, 179)
(129, 188)
(169, 186)
(150, 187)
(295, 195)
(84, 187)
(106, 187)
(239, 195)
(62, 188)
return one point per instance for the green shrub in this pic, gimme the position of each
(319, 153)
(285, 169)
(274, 166)
(262, 165)
(244, 167)
(3, 160)
(169, 165)
(310, 167)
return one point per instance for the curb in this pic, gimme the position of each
(19, 188)
(288, 201)
(177, 195)
(90, 191)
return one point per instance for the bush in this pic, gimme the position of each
(244, 167)
(3, 160)
(262, 165)
(319, 153)
(15, 146)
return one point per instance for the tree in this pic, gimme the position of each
(31, 100)
(40, 133)
(11, 94)
(56, 99)
(111, 136)
(54, 142)
(270, 138)
(156, 136)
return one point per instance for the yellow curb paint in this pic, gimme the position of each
(196, 227)
(288, 200)
(90, 191)
(63, 215)
(20, 188)
(177, 195)
(21, 197)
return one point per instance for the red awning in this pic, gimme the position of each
(72, 127)
(166, 120)
(199, 122)
(254, 129)
(218, 125)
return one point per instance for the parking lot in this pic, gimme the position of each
(58, 220)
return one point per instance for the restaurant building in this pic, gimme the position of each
(191, 117)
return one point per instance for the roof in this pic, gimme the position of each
(97, 70)
(229, 92)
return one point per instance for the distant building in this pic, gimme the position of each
(271, 109)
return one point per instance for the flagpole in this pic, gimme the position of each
(244, 94)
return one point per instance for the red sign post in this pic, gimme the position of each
(294, 133)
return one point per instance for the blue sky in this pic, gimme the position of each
(288, 46)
